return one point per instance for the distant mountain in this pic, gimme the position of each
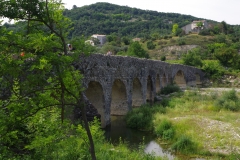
(107, 18)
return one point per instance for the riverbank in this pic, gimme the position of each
(200, 123)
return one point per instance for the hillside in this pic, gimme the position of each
(106, 18)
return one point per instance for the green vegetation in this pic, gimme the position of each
(196, 124)
(141, 118)
(229, 101)
(39, 87)
(170, 88)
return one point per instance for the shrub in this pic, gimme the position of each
(184, 144)
(140, 118)
(213, 69)
(151, 45)
(181, 41)
(135, 49)
(165, 102)
(165, 37)
(165, 130)
(170, 88)
(163, 58)
(229, 101)
(193, 58)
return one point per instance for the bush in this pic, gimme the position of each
(181, 41)
(193, 58)
(229, 101)
(165, 130)
(165, 102)
(135, 49)
(184, 144)
(163, 58)
(140, 118)
(170, 88)
(151, 45)
(213, 69)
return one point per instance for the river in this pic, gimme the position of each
(134, 138)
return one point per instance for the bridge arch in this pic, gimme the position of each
(164, 80)
(137, 95)
(149, 89)
(158, 87)
(119, 103)
(94, 93)
(179, 79)
(198, 80)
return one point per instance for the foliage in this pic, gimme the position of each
(181, 41)
(174, 29)
(185, 145)
(106, 18)
(193, 58)
(199, 24)
(163, 58)
(211, 48)
(229, 101)
(170, 88)
(41, 82)
(165, 130)
(141, 118)
(228, 57)
(126, 40)
(221, 38)
(135, 49)
(213, 69)
(151, 45)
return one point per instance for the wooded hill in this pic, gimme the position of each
(106, 18)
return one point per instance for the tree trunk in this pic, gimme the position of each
(83, 110)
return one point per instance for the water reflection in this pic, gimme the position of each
(133, 137)
(155, 149)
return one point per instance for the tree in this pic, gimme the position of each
(135, 49)
(228, 57)
(223, 27)
(199, 24)
(192, 58)
(42, 78)
(174, 29)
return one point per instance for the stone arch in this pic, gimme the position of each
(149, 89)
(164, 80)
(179, 79)
(94, 93)
(198, 80)
(119, 104)
(158, 87)
(137, 96)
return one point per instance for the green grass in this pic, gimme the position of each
(194, 126)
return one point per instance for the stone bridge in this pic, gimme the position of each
(115, 84)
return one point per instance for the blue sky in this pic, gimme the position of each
(217, 10)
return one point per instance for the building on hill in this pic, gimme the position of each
(136, 39)
(195, 26)
(102, 38)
